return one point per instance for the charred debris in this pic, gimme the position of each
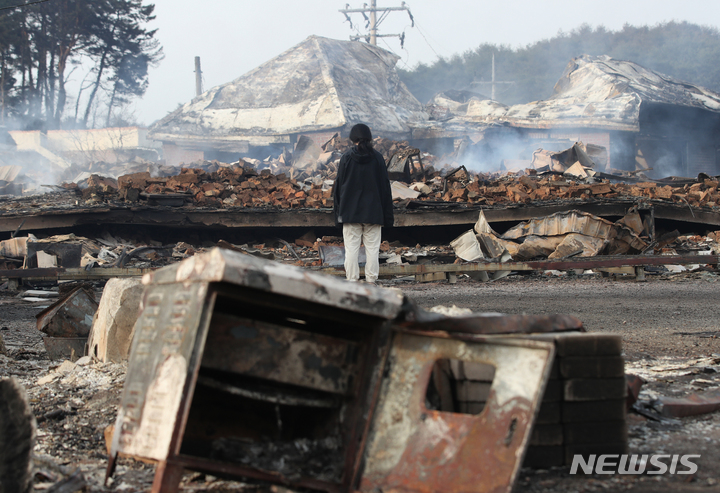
(564, 207)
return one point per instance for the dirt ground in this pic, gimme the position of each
(669, 326)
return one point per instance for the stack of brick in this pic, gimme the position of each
(472, 385)
(583, 409)
(526, 189)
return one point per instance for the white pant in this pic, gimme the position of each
(370, 236)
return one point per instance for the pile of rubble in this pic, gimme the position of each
(575, 233)
(71, 251)
(307, 181)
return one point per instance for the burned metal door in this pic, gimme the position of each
(413, 448)
(163, 360)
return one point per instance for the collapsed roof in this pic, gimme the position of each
(599, 92)
(320, 84)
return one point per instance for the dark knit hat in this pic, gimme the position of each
(360, 132)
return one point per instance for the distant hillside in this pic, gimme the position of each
(685, 51)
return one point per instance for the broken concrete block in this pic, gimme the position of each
(471, 391)
(595, 433)
(592, 367)
(17, 437)
(588, 344)
(66, 367)
(549, 413)
(590, 411)
(547, 434)
(112, 327)
(544, 456)
(595, 389)
(84, 361)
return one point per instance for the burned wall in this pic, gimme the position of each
(679, 141)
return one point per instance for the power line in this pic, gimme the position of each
(23, 4)
(426, 40)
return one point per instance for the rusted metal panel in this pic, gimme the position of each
(415, 449)
(692, 405)
(162, 358)
(280, 354)
(220, 265)
(70, 316)
(62, 348)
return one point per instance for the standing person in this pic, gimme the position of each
(362, 201)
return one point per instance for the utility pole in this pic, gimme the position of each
(373, 22)
(198, 77)
(492, 91)
(493, 82)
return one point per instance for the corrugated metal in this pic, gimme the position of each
(562, 223)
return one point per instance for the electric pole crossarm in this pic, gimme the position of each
(382, 9)
(355, 38)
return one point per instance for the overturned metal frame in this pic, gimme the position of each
(270, 344)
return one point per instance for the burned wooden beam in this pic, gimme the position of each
(439, 214)
(59, 273)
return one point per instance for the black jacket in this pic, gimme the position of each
(361, 193)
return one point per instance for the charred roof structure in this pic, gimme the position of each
(318, 87)
(647, 120)
(600, 92)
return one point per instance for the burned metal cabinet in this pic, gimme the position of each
(255, 369)
(252, 368)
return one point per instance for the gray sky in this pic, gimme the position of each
(234, 36)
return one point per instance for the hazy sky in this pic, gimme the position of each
(234, 36)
